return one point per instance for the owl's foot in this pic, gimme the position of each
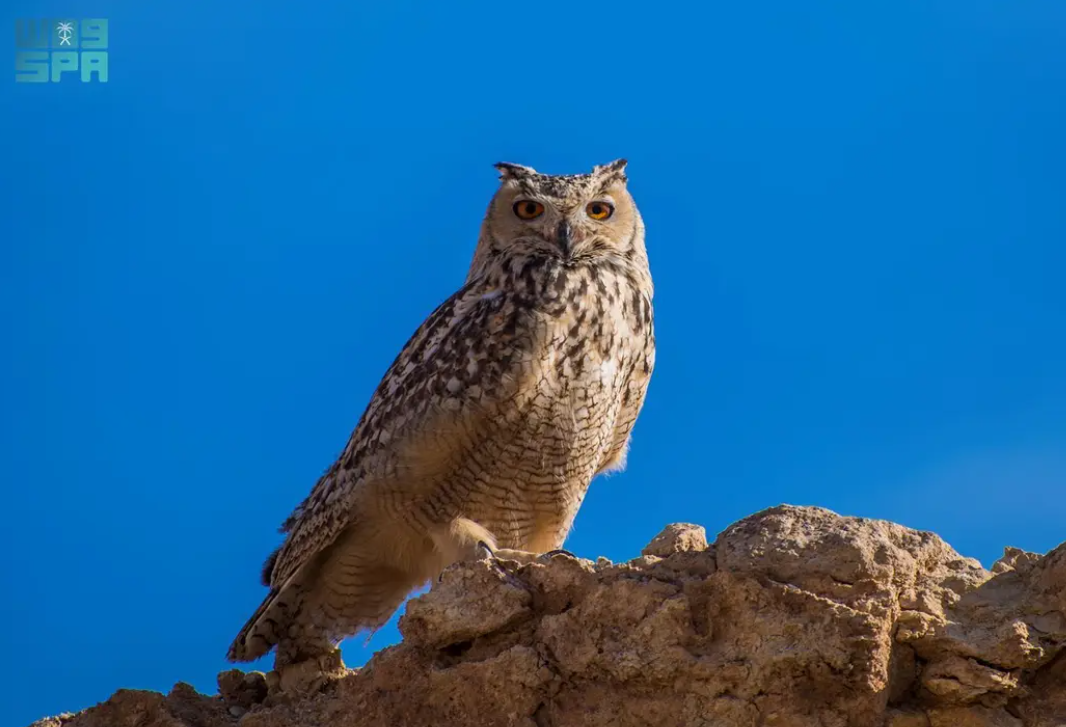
(521, 556)
(484, 551)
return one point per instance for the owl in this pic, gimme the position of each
(484, 434)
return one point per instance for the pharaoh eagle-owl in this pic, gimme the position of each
(487, 429)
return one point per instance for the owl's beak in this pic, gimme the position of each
(564, 235)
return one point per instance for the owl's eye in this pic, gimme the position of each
(527, 209)
(599, 210)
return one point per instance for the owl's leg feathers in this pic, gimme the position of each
(461, 539)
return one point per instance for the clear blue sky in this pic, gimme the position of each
(856, 215)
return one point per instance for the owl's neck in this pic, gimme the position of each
(537, 275)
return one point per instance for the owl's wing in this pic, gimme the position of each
(635, 388)
(470, 353)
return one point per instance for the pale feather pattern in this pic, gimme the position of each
(490, 424)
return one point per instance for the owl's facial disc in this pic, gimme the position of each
(576, 217)
(580, 221)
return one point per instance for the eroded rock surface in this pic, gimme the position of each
(793, 617)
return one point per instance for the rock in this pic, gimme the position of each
(972, 717)
(242, 689)
(449, 618)
(956, 679)
(1015, 559)
(794, 617)
(677, 538)
(183, 707)
(304, 678)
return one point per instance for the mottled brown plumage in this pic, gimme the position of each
(489, 426)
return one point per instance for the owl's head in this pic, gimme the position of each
(575, 217)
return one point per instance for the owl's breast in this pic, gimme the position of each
(543, 368)
(582, 344)
(590, 339)
(596, 325)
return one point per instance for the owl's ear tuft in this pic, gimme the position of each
(612, 170)
(514, 171)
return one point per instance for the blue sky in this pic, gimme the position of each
(855, 217)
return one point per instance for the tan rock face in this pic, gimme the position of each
(793, 617)
(677, 538)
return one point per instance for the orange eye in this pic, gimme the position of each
(527, 209)
(599, 210)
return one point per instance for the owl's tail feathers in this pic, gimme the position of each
(264, 629)
(350, 590)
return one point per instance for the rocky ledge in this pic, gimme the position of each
(793, 617)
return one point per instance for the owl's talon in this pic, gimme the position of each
(558, 551)
(491, 555)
